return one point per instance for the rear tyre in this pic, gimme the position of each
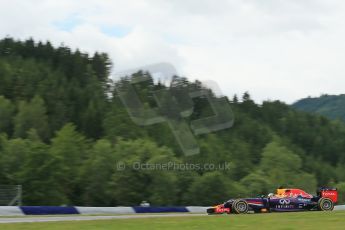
(240, 207)
(325, 204)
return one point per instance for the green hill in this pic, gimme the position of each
(63, 138)
(331, 106)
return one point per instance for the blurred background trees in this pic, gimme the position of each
(62, 136)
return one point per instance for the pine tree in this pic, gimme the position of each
(32, 115)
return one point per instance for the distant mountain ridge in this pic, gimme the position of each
(331, 106)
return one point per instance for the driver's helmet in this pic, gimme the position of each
(281, 192)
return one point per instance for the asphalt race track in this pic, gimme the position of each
(32, 219)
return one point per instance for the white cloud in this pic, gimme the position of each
(275, 49)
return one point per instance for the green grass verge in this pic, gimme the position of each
(306, 220)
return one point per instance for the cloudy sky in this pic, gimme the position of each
(275, 49)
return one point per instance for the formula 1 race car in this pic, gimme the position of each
(285, 200)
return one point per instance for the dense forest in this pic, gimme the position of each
(331, 106)
(64, 129)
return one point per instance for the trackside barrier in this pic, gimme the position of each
(62, 210)
(48, 210)
(56, 210)
(105, 210)
(197, 209)
(159, 209)
(339, 207)
(10, 211)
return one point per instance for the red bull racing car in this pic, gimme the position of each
(285, 200)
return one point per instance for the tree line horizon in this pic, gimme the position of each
(61, 136)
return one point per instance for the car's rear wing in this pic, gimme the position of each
(331, 193)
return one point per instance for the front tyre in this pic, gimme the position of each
(240, 207)
(325, 204)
